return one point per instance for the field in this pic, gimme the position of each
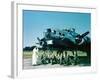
(27, 59)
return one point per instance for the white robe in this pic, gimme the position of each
(34, 56)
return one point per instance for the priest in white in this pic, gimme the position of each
(35, 56)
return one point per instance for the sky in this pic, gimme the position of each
(36, 22)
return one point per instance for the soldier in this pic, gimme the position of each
(60, 54)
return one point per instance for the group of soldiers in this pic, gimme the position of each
(55, 57)
(62, 58)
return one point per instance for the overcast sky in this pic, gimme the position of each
(36, 22)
